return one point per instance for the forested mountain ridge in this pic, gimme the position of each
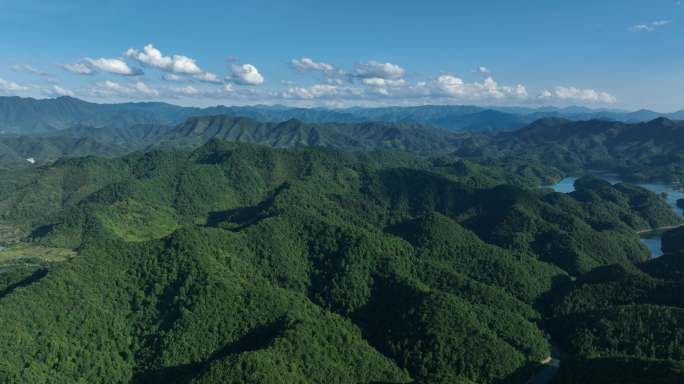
(28, 116)
(295, 133)
(652, 150)
(637, 152)
(195, 131)
(242, 263)
(229, 249)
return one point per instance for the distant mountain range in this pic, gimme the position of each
(46, 130)
(27, 115)
(84, 140)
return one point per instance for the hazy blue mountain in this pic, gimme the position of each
(295, 133)
(82, 140)
(27, 115)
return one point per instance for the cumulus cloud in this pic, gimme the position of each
(489, 89)
(79, 68)
(650, 27)
(246, 74)
(380, 82)
(57, 91)
(177, 64)
(7, 86)
(137, 90)
(321, 91)
(307, 64)
(574, 94)
(208, 77)
(115, 66)
(374, 69)
(450, 85)
(184, 91)
(383, 86)
(443, 87)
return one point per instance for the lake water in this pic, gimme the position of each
(653, 243)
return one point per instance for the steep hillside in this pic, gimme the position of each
(638, 152)
(241, 263)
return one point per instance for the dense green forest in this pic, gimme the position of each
(647, 151)
(66, 127)
(149, 243)
(241, 263)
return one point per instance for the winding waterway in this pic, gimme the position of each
(653, 242)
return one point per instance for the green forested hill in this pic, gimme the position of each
(646, 151)
(618, 311)
(84, 140)
(241, 263)
(295, 133)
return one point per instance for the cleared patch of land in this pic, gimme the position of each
(20, 253)
(10, 234)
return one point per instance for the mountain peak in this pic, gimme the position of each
(661, 121)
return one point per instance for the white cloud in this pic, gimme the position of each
(115, 66)
(144, 89)
(484, 71)
(56, 90)
(380, 82)
(79, 68)
(321, 91)
(451, 85)
(184, 91)
(177, 64)
(246, 74)
(444, 87)
(108, 88)
(29, 69)
(62, 91)
(374, 69)
(208, 77)
(650, 27)
(574, 94)
(383, 87)
(34, 71)
(172, 77)
(7, 86)
(306, 64)
(489, 89)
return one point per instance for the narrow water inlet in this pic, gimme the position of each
(652, 240)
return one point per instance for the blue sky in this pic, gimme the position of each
(606, 54)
